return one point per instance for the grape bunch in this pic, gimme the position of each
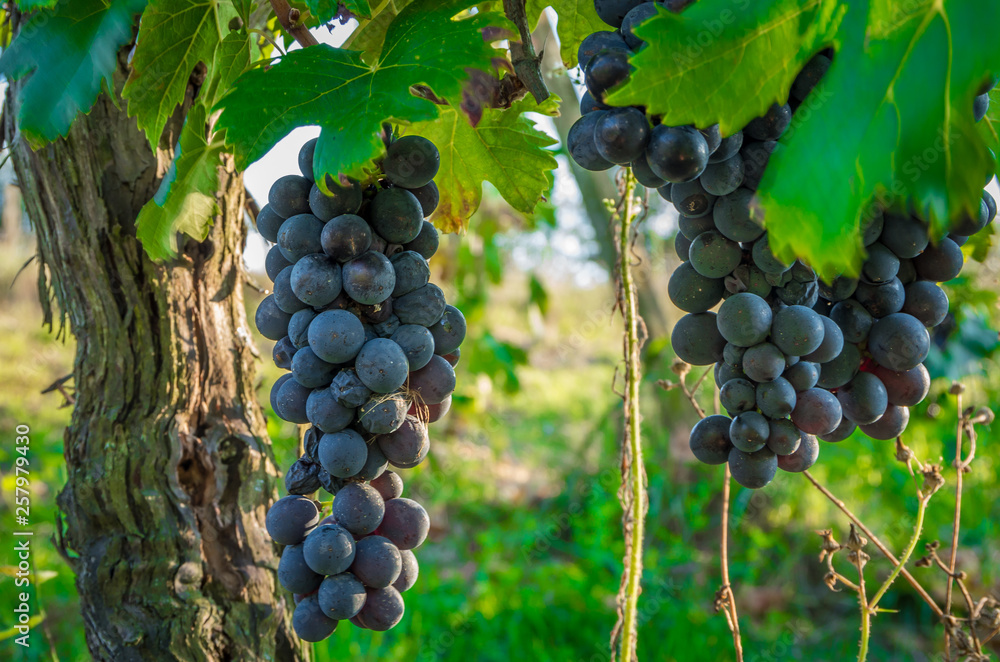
(796, 360)
(371, 346)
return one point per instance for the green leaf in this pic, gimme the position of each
(370, 35)
(185, 201)
(349, 99)
(232, 58)
(72, 51)
(31, 5)
(505, 149)
(325, 10)
(896, 126)
(174, 36)
(752, 55)
(538, 294)
(577, 20)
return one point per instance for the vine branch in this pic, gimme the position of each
(633, 491)
(289, 19)
(527, 64)
(956, 389)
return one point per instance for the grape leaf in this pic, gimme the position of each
(370, 35)
(505, 149)
(31, 5)
(232, 58)
(349, 99)
(897, 126)
(891, 122)
(325, 10)
(185, 201)
(70, 52)
(725, 61)
(577, 20)
(174, 36)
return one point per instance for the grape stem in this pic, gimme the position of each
(526, 63)
(958, 518)
(878, 543)
(633, 491)
(289, 22)
(726, 593)
(866, 614)
(918, 528)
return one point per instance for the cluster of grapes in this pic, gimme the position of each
(371, 345)
(796, 359)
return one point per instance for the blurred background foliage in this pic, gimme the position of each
(525, 552)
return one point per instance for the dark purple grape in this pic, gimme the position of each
(732, 216)
(289, 196)
(405, 447)
(843, 431)
(854, 321)
(621, 135)
(306, 154)
(881, 265)
(434, 382)
(389, 485)
(797, 330)
(817, 411)
(290, 402)
(341, 596)
(329, 550)
(613, 12)
(899, 342)
(738, 396)
(904, 235)
(728, 148)
(692, 292)
(383, 609)
(744, 319)
(382, 366)
(376, 561)
(396, 215)
(336, 336)
(348, 389)
(597, 42)
(755, 159)
(881, 299)
(677, 153)
(771, 125)
(891, 425)
(776, 399)
(749, 431)
(409, 573)
(863, 399)
(582, 146)
(309, 621)
(940, 263)
(275, 262)
(802, 376)
(271, 321)
(326, 413)
(926, 301)
(417, 344)
(412, 272)
(369, 279)
(405, 523)
(636, 16)
(291, 518)
(411, 162)
(810, 76)
(424, 306)
(283, 352)
(696, 339)
(644, 174)
(427, 242)
(763, 362)
(836, 373)
(785, 438)
(383, 414)
(342, 453)
(709, 439)
(605, 71)
(753, 470)
(803, 458)
(310, 370)
(832, 345)
(268, 223)
(907, 388)
(346, 237)
(342, 200)
(358, 508)
(724, 177)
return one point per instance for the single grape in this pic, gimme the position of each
(268, 223)
(926, 301)
(692, 292)
(582, 146)
(784, 438)
(291, 518)
(836, 373)
(309, 621)
(310, 370)
(682, 246)
(358, 508)
(346, 237)
(696, 339)
(732, 216)
(899, 342)
(369, 279)
(336, 336)
(306, 154)
(636, 16)
(709, 439)
(621, 135)
(863, 399)
(396, 215)
(691, 200)
(599, 41)
(417, 343)
(753, 470)
(613, 12)
(376, 561)
(449, 331)
(843, 431)
(745, 319)
(882, 299)
(970, 224)
(315, 280)
(776, 399)
(382, 365)
(389, 485)
(434, 382)
(802, 376)
(738, 396)
(409, 573)
(677, 153)
(328, 550)
(303, 476)
(797, 330)
(749, 431)
(891, 425)
(832, 345)
(405, 447)
(907, 388)
(809, 76)
(881, 265)
(343, 453)
(289, 196)
(755, 159)
(606, 70)
(345, 199)
(424, 306)
(427, 242)
(290, 402)
(275, 262)
(326, 413)
(940, 263)
(412, 272)
(300, 236)
(763, 362)
(383, 609)
(341, 596)
(728, 148)
(405, 523)
(283, 352)
(411, 162)
(904, 235)
(841, 289)
(803, 458)
(643, 173)
(817, 411)
(383, 414)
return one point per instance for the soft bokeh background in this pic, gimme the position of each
(525, 552)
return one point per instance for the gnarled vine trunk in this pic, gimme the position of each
(169, 468)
